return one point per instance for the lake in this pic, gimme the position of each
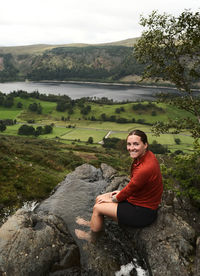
(79, 90)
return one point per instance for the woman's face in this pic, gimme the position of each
(135, 146)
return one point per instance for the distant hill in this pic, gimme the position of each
(39, 48)
(93, 62)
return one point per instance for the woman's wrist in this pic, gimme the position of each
(114, 199)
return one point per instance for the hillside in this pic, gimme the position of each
(40, 48)
(100, 62)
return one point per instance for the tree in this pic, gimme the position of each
(155, 147)
(177, 141)
(9, 101)
(19, 105)
(34, 107)
(38, 131)
(26, 130)
(61, 106)
(47, 129)
(90, 140)
(170, 50)
(2, 126)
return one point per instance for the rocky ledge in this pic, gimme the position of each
(42, 242)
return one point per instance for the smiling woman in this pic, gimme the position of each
(136, 204)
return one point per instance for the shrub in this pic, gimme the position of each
(183, 176)
(90, 140)
(155, 147)
(177, 141)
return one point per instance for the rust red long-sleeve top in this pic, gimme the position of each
(145, 187)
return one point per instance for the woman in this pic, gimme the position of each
(135, 205)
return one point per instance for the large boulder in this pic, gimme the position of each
(32, 244)
(43, 242)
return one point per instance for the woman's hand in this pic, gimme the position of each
(106, 198)
(115, 193)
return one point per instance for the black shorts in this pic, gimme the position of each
(133, 215)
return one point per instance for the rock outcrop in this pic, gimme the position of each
(42, 242)
(31, 244)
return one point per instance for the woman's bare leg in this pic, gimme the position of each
(99, 210)
(82, 221)
(83, 235)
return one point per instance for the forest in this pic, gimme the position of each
(94, 63)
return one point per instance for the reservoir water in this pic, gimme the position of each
(79, 90)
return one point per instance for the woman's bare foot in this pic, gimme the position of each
(83, 235)
(82, 221)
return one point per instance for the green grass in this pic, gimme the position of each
(84, 134)
(96, 129)
(99, 130)
(49, 112)
(6, 113)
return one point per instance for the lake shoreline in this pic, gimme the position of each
(108, 84)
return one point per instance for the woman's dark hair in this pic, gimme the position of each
(139, 133)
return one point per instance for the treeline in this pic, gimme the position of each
(120, 120)
(86, 63)
(8, 71)
(6, 122)
(63, 101)
(6, 100)
(95, 63)
(39, 130)
(66, 104)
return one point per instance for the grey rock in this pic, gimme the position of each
(117, 183)
(167, 244)
(86, 171)
(107, 171)
(197, 258)
(43, 242)
(31, 244)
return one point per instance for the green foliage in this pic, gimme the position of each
(169, 48)
(85, 109)
(90, 140)
(177, 141)
(35, 108)
(26, 130)
(75, 63)
(157, 148)
(183, 175)
(2, 126)
(6, 100)
(31, 168)
(115, 143)
(19, 105)
(63, 105)
(9, 72)
(30, 130)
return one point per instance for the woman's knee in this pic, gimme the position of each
(98, 197)
(97, 208)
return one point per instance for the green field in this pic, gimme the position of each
(79, 127)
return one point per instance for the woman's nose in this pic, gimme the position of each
(131, 147)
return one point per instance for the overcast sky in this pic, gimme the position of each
(25, 22)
